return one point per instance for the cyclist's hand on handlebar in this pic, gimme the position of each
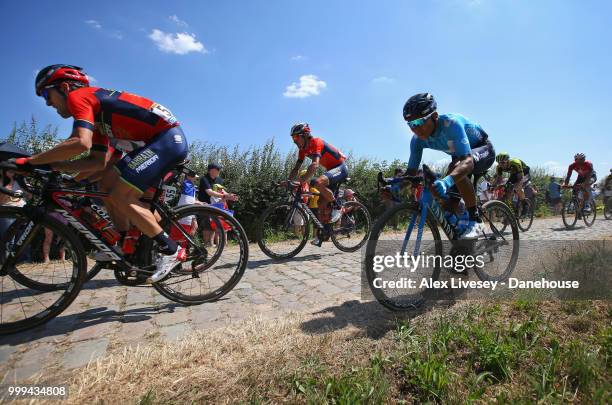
(19, 164)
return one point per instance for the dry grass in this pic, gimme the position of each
(277, 361)
(226, 365)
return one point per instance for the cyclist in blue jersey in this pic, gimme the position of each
(466, 142)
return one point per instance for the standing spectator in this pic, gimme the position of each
(206, 191)
(187, 197)
(554, 194)
(483, 189)
(49, 238)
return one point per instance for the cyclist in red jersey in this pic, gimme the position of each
(586, 175)
(148, 133)
(323, 154)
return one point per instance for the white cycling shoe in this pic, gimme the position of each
(164, 264)
(473, 230)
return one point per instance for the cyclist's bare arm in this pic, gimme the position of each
(80, 141)
(296, 168)
(312, 169)
(95, 162)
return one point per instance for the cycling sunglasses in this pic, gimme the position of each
(419, 121)
(45, 92)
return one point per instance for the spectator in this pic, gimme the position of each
(554, 195)
(205, 193)
(49, 238)
(187, 197)
(483, 189)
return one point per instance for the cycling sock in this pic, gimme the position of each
(166, 245)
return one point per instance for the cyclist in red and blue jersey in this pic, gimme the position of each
(148, 133)
(468, 144)
(586, 175)
(331, 159)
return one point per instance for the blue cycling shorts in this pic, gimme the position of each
(336, 175)
(142, 168)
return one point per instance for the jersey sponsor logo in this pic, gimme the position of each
(178, 138)
(105, 129)
(147, 164)
(451, 147)
(142, 158)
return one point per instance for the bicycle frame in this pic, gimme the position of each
(427, 204)
(84, 228)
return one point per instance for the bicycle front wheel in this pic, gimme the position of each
(216, 256)
(351, 231)
(389, 239)
(525, 218)
(569, 213)
(36, 283)
(282, 231)
(499, 245)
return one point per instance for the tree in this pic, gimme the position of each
(29, 137)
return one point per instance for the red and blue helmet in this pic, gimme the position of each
(58, 73)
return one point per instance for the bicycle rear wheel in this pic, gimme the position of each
(386, 240)
(202, 276)
(351, 231)
(569, 213)
(33, 292)
(282, 231)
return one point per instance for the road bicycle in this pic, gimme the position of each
(283, 229)
(576, 207)
(419, 235)
(33, 292)
(523, 212)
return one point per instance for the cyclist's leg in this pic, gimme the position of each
(483, 157)
(325, 184)
(106, 184)
(141, 169)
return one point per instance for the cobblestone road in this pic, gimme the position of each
(106, 317)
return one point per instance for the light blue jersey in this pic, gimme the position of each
(455, 135)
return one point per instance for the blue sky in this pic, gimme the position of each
(534, 74)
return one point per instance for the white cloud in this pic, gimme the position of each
(116, 34)
(554, 167)
(94, 23)
(178, 21)
(92, 80)
(309, 85)
(180, 43)
(297, 57)
(382, 79)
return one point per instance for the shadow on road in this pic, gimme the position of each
(253, 264)
(65, 324)
(369, 316)
(563, 229)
